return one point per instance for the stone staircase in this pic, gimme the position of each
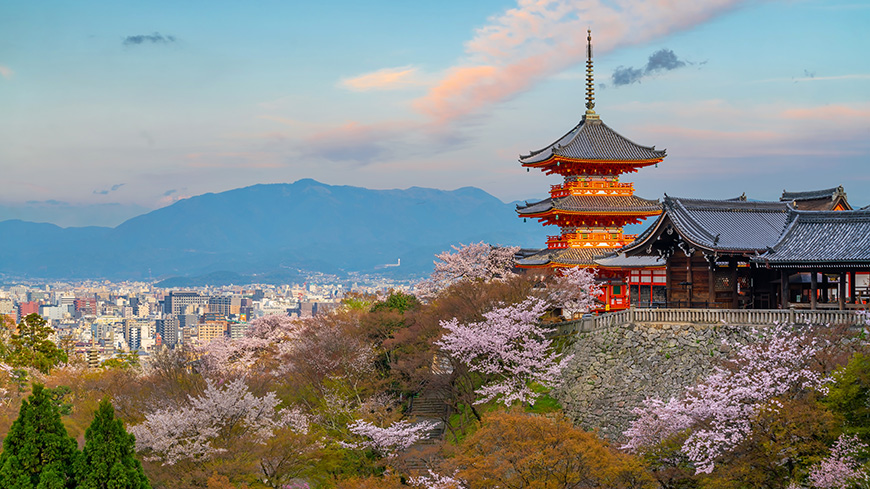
(423, 454)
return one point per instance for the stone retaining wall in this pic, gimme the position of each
(615, 368)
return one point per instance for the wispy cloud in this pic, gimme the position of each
(540, 38)
(6, 72)
(659, 61)
(113, 188)
(384, 79)
(169, 192)
(155, 38)
(811, 77)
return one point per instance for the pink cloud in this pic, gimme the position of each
(829, 112)
(539, 38)
(385, 79)
(6, 72)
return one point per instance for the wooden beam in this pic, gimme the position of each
(735, 298)
(852, 298)
(783, 288)
(711, 283)
(689, 278)
(841, 291)
(814, 285)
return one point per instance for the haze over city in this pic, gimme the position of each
(111, 110)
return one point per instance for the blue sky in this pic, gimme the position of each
(109, 109)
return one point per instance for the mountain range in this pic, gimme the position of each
(270, 230)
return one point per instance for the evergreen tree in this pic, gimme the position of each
(37, 452)
(108, 460)
(30, 346)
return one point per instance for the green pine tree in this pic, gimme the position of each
(108, 460)
(37, 452)
(30, 346)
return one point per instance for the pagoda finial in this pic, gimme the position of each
(590, 84)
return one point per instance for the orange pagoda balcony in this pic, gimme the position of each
(591, 188)
(590, 240)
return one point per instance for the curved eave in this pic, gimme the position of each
(811, 264)
(553, 212)
(552, 160)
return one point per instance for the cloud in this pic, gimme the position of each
(107, 191)
(47, 202)
(384, 79)
(155, 38)
(6, 72)
(661, 60)
(540, 38)
(169, 192)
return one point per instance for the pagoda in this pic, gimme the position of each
(591, 206)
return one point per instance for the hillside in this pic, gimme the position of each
(263, 228)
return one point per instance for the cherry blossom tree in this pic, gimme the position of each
(435, 480)
(510, 347)
(388, 441)
(717, 412)
(473, 262)
(841, 468)
(574, 290)
(194, 431)
(273, 334)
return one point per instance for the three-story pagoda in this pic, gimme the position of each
(591, 206)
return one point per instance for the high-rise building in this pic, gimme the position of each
(178, 303)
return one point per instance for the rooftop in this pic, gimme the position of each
(594, 140)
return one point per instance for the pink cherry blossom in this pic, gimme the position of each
(840, 468)
(189, 433)
(511, 347)
(397, 437)
(477, 261)
(718, 410)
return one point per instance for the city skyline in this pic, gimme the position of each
(115, 110)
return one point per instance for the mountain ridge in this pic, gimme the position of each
(304, 225)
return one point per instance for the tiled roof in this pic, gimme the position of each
(721, 225)
(618, 260)
(593, 140)
(817, 200)
(827, 193)
(592, 204)
(564, 256)
(831, 238)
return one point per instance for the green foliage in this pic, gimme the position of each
(108, 459)
(848, 396)
(397, 301)
(30, 346)
(123, 361)
(37, 451)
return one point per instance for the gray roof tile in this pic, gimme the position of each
(592, 204)
(594, 140)
(831, 238)
(721, 225)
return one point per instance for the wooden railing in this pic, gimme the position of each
(737, 317)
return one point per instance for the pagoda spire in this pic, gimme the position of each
(590, 83)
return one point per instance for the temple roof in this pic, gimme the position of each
(831, 238)
(592, 204)
(563, 256)
(619, 260)
(817, 200)
(719, 225)
(592, 139)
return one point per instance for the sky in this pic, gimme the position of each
(110, 109)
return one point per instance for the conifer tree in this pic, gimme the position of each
(108, 460)
(37, 452)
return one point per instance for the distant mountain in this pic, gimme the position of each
(265, 229)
